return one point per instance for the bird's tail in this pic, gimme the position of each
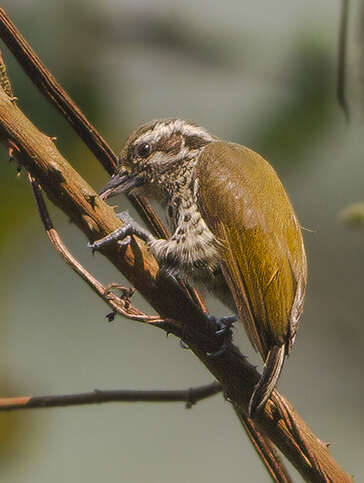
(272, 369)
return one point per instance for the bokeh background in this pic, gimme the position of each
(259, 73)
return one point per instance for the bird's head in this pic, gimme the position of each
(155, 156)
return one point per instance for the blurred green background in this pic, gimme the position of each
(258, 73)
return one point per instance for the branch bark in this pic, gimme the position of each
(95, 218)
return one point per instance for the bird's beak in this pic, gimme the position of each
(122, 182)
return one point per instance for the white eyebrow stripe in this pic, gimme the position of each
(166, 129)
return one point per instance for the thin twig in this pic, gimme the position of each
(342, 59)
(120, 305)
(189, 396)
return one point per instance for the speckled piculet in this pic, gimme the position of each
(234, 229)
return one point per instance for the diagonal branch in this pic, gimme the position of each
(64, 186)
(120, 305)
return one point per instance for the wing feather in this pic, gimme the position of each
(263, 259)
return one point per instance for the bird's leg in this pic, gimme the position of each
(123, 234)
(223, 328)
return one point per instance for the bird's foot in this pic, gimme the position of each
(183, 345)
(123, 234)
(223, 327)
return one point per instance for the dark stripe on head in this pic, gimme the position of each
(170, 145)
(195, 142)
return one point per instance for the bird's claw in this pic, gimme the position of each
(223, 328)
(183, 345)
(125, 242)
(222, 324)
(123, 234)
(110, 316)
(125, 217)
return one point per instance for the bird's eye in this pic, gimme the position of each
(143, 149)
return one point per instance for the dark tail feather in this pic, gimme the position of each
(272, 369)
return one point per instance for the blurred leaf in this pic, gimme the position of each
(167, 31)
(353, 215)
(287, 131)
(14, 427)
(15, 200)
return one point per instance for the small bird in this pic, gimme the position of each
(233, 230)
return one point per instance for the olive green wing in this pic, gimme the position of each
(263, 257)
